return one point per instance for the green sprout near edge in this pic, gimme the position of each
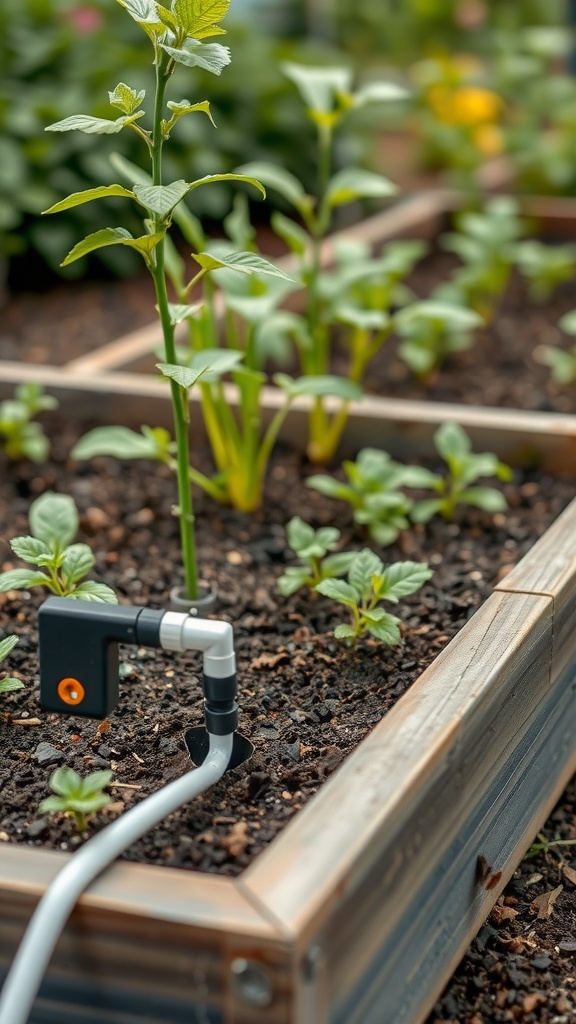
(77, 797)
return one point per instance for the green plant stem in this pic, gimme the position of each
(179, 395)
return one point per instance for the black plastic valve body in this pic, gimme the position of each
(79, 662)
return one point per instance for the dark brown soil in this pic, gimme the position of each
(305, 699)
(73, 319)
(500, 369)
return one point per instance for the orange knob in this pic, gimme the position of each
(71, 691)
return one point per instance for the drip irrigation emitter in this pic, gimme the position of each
(79, 675)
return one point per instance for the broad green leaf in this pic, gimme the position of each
(345, 632)
(292, 579)
(6, 645)
(161, 199)
(213, 362)
(404, 578)
(97, 593)
(78, 560)
(290, 232)
(93, 784)
(338, 590)
(93, 125)
(185, 107)
(9, 684)
(185, 376)
(486, 498)
(168, 18)
(453, 317)
(353, 183)
(145, 13)
(125, 98)
(423, 511)
(65, 781)
(319, 87)
(30, 549)
(54, 519)
(364, 319)
(79, 198)
(22, 579)
(387, 630)
(282, 181)
(180, 312)
(452, 442)
(568, 322)
(211, 57)
(338, 564)
(120, 442)
(299, 533)
(199, 16)
(244, 179)
(112, 236)
(379, 92)
(364, 567)
(330, 486)
(319, 386)
(243, 262)
(562, 364)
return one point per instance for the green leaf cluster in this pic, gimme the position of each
(374, 486)
(369, 582)
(463, 469)
(430, 330)
(76, 796)
(60, 565)
(8, 683)
(316, 563)
(486, 243)
(20, 437)
(545, 266)
(373, 490)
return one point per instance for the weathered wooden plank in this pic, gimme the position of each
(412, 777)
(550, 568)
(405, 428)
(449, 905)
(147, 934)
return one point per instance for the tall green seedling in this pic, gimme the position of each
(329, 98)
(178, 36)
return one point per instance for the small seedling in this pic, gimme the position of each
(464, 468)
(431, 330)
(562, 363)
(61, 565)
(8, 684)
(545, 266)
(312, 547)
(373, 491)
(486, 243)
(77, 797)
(20, 437)
(369, 583)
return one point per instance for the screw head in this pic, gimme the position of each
(251, 982)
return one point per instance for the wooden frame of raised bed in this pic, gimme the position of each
(360, 910)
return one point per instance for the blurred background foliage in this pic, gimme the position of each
(487, 77)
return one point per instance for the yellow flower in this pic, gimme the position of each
(473, 105)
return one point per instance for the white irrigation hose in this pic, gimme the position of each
(57, 903)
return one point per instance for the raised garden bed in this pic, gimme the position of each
(360, 909)
(370, 895)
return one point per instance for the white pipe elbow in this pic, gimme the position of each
(215, 638)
